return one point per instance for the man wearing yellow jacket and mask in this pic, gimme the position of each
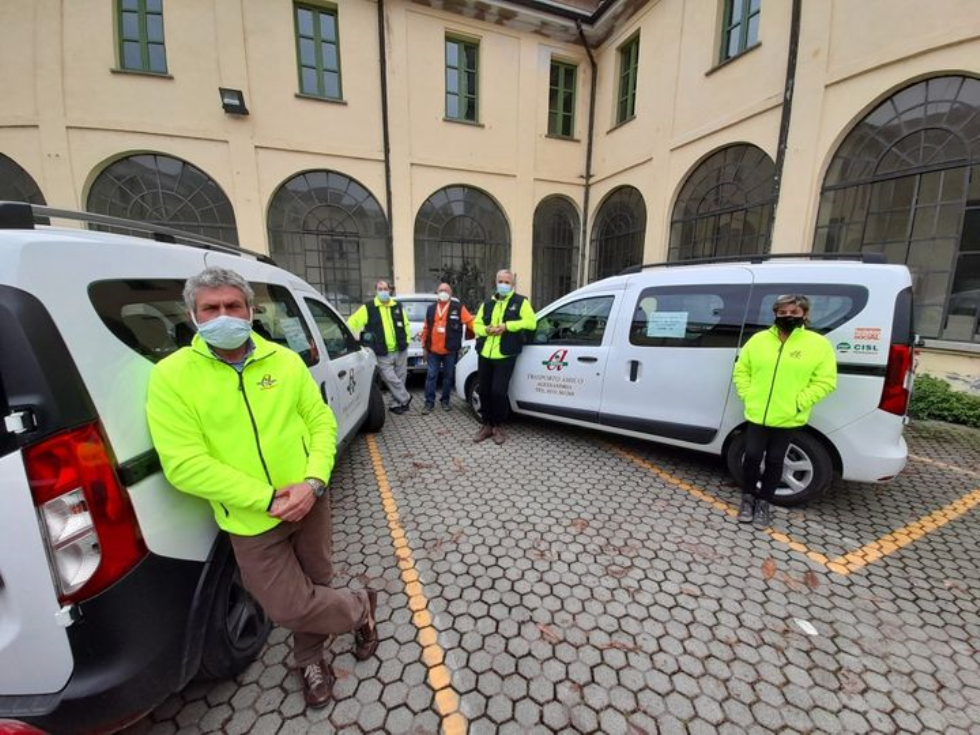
(239, 421)
(780, 375)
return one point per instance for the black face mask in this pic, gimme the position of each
(788, 323)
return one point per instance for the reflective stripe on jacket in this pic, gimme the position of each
(234, 438)
(780, 382)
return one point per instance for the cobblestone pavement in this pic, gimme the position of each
(569, 581)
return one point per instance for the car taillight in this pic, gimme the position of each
(898, 380)
(85, 514)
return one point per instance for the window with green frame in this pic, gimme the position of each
(741, 27)
(629, 58)
(318, 51)
(140, 35)
(462, 74)
(561, 100)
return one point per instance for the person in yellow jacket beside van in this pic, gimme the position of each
(238, 421)
(780, 375)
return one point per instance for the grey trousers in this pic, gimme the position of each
(288, 570)
(394, 370)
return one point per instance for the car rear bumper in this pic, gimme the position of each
(130, 652)
(872, 449)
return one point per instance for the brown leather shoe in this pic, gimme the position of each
(366, 637)
(499, 437)
(485, 432)
(318, 681)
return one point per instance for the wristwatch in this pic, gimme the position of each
(319, 489)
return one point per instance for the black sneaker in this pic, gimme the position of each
(445, 405)
(763, 514)
(427, 408)
(746, 511)
(399, 410)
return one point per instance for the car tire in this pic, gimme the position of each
(473, 397)
(237, 627)
(376, 410)
(807, 473)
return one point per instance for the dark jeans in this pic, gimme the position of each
(494, 377)
(447, 364)
(768, 442)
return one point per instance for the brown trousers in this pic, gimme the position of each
(288, 570)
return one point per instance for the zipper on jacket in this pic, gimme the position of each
(772, 385)
(255, 428)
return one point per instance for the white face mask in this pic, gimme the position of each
(444, 296)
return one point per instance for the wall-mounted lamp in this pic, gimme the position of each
(233, 101)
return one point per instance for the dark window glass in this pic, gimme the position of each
(337, 338)
(831, 305)
(725, 206)
(555, 250)
(328, 229)
(164, 191)
(689, 316)
(903, 183)
(149, 316)
(140, 34)
(580, 322)
(16, 185)
(462, 69)
(561, 100)
(629, 59)
(740, 29)
(617, 236)
(317, 51)
(461, 238)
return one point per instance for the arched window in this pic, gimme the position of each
(16, 185)
(329, 230)
(555, 251)
(906, 182)
(462, 238)
(725, 206)
(150, 187)
(617, 237)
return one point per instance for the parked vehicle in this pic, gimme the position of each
(649, 354)
(116, 588)
(415, 306)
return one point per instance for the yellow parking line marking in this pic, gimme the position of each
(944, 465)
(440, 679)
(906, 535)
(724, 507)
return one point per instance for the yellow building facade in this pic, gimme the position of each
(443, 139)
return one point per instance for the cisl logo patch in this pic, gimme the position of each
(557, 360)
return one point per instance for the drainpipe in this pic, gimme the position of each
(777, 179)
(385, 131)
(583, 249)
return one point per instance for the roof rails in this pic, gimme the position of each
(760, 258)
(23, 216)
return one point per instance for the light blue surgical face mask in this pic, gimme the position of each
(225, 332)
(503, 289)
(383, 296)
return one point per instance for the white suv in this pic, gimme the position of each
(116, 589)
(649, 354)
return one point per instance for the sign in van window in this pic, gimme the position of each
(689, 316)
(667, 324)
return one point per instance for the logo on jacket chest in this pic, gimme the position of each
(267, 382)
(796, 354)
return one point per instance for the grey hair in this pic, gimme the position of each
(509, 272)
(792, 300)
(215, 278)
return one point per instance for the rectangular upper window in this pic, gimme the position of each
(741, 27)
(629, 57)
(140, 36)
(462, 74)
(561, 100)
(318, 51)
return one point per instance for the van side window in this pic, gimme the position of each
(337, 338)
(580, 322)
(149, 316)
(689, 316)
(831, 305)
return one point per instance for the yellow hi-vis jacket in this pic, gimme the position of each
(235, 438)
(779, 382)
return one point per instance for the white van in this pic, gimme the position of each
(649, 354)
(116, 589)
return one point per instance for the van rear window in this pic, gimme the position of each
(831, 305)
(149, 316)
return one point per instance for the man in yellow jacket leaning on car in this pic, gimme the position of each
(780, 375)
